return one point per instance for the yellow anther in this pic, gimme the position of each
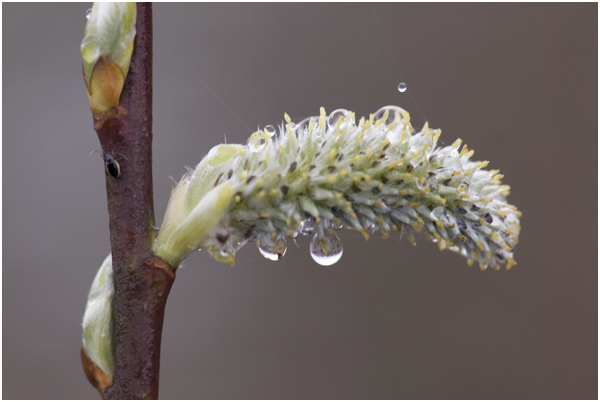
(318, 220)
(463, 150)
(403, 192)
(367, 177)
(288, 222)
(353, 215)
(407, 175)
(414, 204)
(482, 266)
(484, 223)
(273, 235)
(304, 176)
(416, 155)
(243, 175)
(486, 200)
(422, 180)
(468, 172)
(272, 192)
(348, 204)
(356, 179)
(369, 153)
(237, 199)
(332, 153)
(463, 238)
(457, 143)
(420, 221)
(439, 224)
(476, 254)
(427, 189)
(379, 204)
(322, 111)
(338, 196)
(494, 236)
(287, 117)
(264, 215)
(260, 182)
(411, 239)
(489, 255)
(332, 179)
(289, 234)
(261, 194)
(380, 186)
(443, 201)
(470, 154)
(470, 262)
(385, 143)
(343, 172)
(456, 172)
(392, 165)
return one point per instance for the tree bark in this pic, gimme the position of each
(142, 281)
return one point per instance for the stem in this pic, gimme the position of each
(142, 281)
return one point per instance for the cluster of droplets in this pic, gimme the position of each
(325, 247)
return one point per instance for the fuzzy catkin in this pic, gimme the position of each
(331, 172)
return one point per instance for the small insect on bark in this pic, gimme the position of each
(111, 166)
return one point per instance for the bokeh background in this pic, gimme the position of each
(518, 83)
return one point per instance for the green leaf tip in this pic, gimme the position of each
(329, 172)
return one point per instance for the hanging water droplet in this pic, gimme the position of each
(88, 13)
(270, 130)
(402, 87)
(337, 224)
(273, 253)
(307, 226)
(335, 116)
(327, 250)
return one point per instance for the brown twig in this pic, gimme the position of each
(142, 281)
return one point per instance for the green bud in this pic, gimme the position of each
(98, 319)
(106, 50)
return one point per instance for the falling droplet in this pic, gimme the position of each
(274, 253)
(270, 130)
(335, 116)
(327, 250)
(307, 226)
(88, 13)
(402, 87)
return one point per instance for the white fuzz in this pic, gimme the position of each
(329, 172)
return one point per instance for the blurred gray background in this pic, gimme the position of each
(518, 83)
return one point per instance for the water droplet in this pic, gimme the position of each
(327, 250)
(394, 114)
(303, 127)
(270, 130)
(402, 87)
(88, 13)
(307, 226)
(335, 116)
(273, 253)
(258, 141)
(337, 225)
